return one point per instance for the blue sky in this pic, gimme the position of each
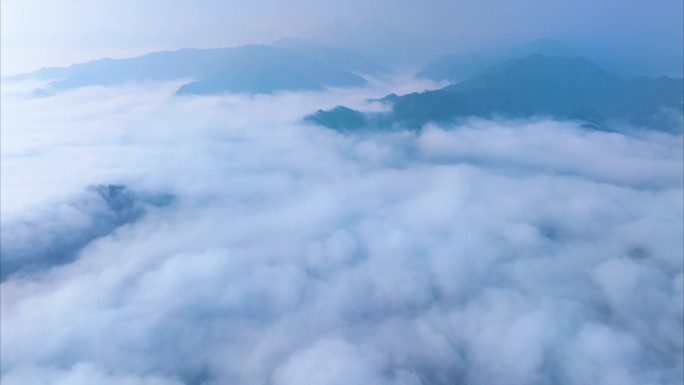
(45, 33)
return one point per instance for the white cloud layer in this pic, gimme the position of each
(490, 253)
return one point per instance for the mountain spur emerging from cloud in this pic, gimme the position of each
(492, 252)
(556, 87)
(56, 235)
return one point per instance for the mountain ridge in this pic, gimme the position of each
(247, 68)
(569, 88)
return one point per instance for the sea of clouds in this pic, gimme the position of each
(221, 240)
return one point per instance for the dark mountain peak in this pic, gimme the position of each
(339, 118)
(391, 98)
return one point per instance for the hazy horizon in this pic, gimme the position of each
(37, 34)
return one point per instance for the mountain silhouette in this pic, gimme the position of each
(456, 67)
(263, 69)
(247, 69)
(569, 88)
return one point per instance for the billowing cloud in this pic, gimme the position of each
(55, 236)
(493, 252)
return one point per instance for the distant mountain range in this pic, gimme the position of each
(397, 49)
(457, 67)
(536, 85)
(543, 78)
(245, 69)
(265, 69)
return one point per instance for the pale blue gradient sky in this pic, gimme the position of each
(47, 33)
